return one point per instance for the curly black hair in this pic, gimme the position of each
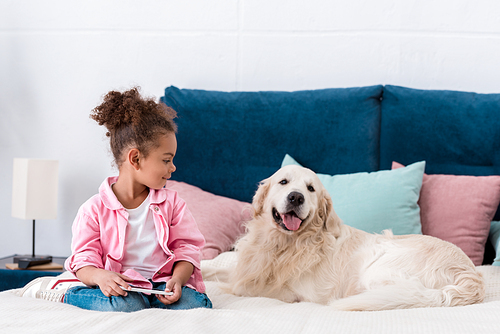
(133, 121)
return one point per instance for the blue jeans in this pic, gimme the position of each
(92, 298)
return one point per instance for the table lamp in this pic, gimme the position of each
(34, 196)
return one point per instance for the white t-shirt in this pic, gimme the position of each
(141, 242)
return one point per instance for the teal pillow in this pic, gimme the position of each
(376, 201)
(495, 240)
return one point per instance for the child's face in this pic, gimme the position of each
(158, 166)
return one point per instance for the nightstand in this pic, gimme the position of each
(13, 279)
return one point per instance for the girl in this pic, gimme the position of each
(135, 231)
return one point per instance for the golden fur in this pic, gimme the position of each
(327, 262)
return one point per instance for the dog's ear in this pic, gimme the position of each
(328, 215)
(260, 196)
(325, 207)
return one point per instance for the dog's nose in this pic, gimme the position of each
(295, 198)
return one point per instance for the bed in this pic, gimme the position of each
(229, 141)
(233, 314)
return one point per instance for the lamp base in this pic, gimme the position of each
(25, 261)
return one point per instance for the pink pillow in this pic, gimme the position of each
(220, 219)
(459, 209)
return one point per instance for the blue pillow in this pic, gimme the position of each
(495, 240)
(230, 141)
(454, 132)
(376, 201)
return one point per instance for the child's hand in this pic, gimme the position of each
(181, 274)
(173, 285)
(108, 281)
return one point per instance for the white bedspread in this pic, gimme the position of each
(233, 314)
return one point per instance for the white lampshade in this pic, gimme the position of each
(34, 188)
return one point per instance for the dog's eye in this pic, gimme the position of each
(310, 188)
(284, 181)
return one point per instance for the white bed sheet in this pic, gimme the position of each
(232, 314)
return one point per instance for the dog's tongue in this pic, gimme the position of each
(292, 222)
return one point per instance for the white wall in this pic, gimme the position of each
(58, 57)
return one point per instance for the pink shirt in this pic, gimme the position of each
(99, 235)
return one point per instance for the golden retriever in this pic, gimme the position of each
(297, 249)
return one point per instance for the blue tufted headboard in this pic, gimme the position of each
(229, 141)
